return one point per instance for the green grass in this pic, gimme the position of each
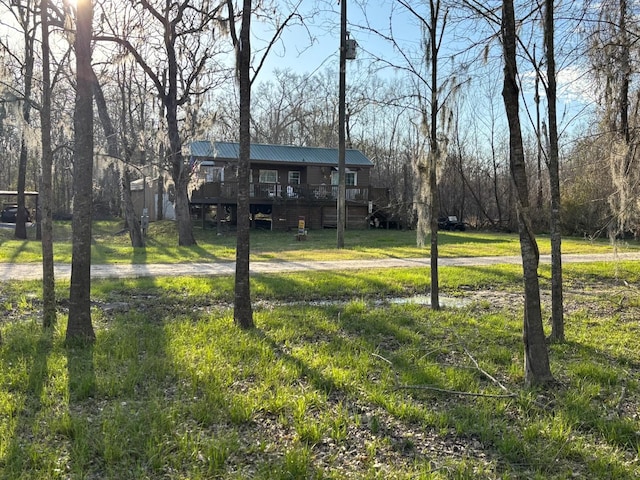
(112, 245)
(172, 389)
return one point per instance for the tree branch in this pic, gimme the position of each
(131, 49)
(400, 386)
(494, 380)
(455, 392)
(276, 35)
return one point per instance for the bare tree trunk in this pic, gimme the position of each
(407, 208)
(45, 198)
(243, 314)
(536, 362)
(495, 180)
(79, 326)
(160, 201)
(434, 153)
(132, 222)
(466, 185)
(433, 223)
(557, 309)
(29, 38)
(105, 119)
(428, 173)
(538, 134)
(179, 173)
(625, 72)
(21, 215)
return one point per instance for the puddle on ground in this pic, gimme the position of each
(447, 302)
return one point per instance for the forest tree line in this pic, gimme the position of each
(598, 172)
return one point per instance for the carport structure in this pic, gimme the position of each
(13, 194)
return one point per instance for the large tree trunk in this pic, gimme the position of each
(557, 309)
(183, 213)
(179, 172)
(243, 314)
(536, 362)
(45, 198)
(79, 326)
(180, 176)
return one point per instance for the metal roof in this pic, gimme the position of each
(15, 192)
(279, 153)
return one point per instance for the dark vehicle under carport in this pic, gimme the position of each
(451, 223)
(10, 212)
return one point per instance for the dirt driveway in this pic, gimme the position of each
(33, 271)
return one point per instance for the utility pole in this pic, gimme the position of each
(342, 192)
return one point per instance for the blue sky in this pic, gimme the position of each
(314, 47)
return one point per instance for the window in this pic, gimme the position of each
(268, 176)
(213, 174)
(294, 178)
(350, 178)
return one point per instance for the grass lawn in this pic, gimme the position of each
(333, 383)
(111, 244)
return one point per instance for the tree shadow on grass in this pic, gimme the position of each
(456, 238)
(609, 410)
(325, 285)
(314, 376)
(82, 376)
(21, 457)
(406, 338)
(84, 444)
(17, 251)
(136, 426)
(197, 251)
(376, 412)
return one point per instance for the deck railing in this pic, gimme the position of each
(273, 191)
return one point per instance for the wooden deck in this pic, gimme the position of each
(226, 193)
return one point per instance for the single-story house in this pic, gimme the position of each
(287, 183)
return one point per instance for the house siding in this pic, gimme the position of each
(314, 198)
(319, 175)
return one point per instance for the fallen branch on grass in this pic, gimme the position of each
(456, 392)
(485, 373)
(621, 400)
(400, 386)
